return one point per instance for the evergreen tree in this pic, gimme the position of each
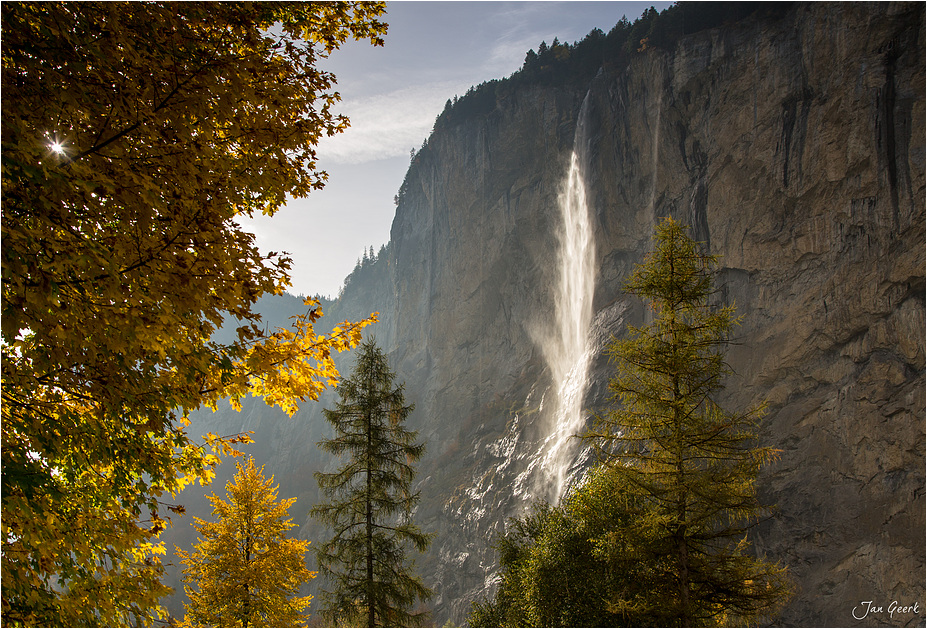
(691, 464)
(370, 507)
(245, 568)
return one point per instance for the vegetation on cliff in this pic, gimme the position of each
(563, 63)
(369, 271)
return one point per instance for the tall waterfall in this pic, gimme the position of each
(566, 347)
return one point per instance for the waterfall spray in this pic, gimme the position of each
(566, 345)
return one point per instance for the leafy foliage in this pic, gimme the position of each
(692, 464)
(133, 135)
(244, 571)
(370, 507)
(553, 572)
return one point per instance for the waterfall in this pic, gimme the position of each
(566, 344)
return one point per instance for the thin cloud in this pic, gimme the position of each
(388, 125)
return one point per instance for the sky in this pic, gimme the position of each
(392, 94)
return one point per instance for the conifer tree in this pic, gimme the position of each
(690, 464)
(370, 501)
(244, 571)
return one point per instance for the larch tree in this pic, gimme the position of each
(134, 134)
(370, 501)
(688, 465)
(244, 571)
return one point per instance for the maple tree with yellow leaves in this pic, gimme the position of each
(133, 136)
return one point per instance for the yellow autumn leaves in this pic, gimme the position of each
(121, 260)
(244, 571)
(290, 365)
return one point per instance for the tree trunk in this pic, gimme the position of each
(371, 614)
(682, 567)
(680, 533)
(247, 605)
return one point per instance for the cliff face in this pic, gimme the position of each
(794, 148)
